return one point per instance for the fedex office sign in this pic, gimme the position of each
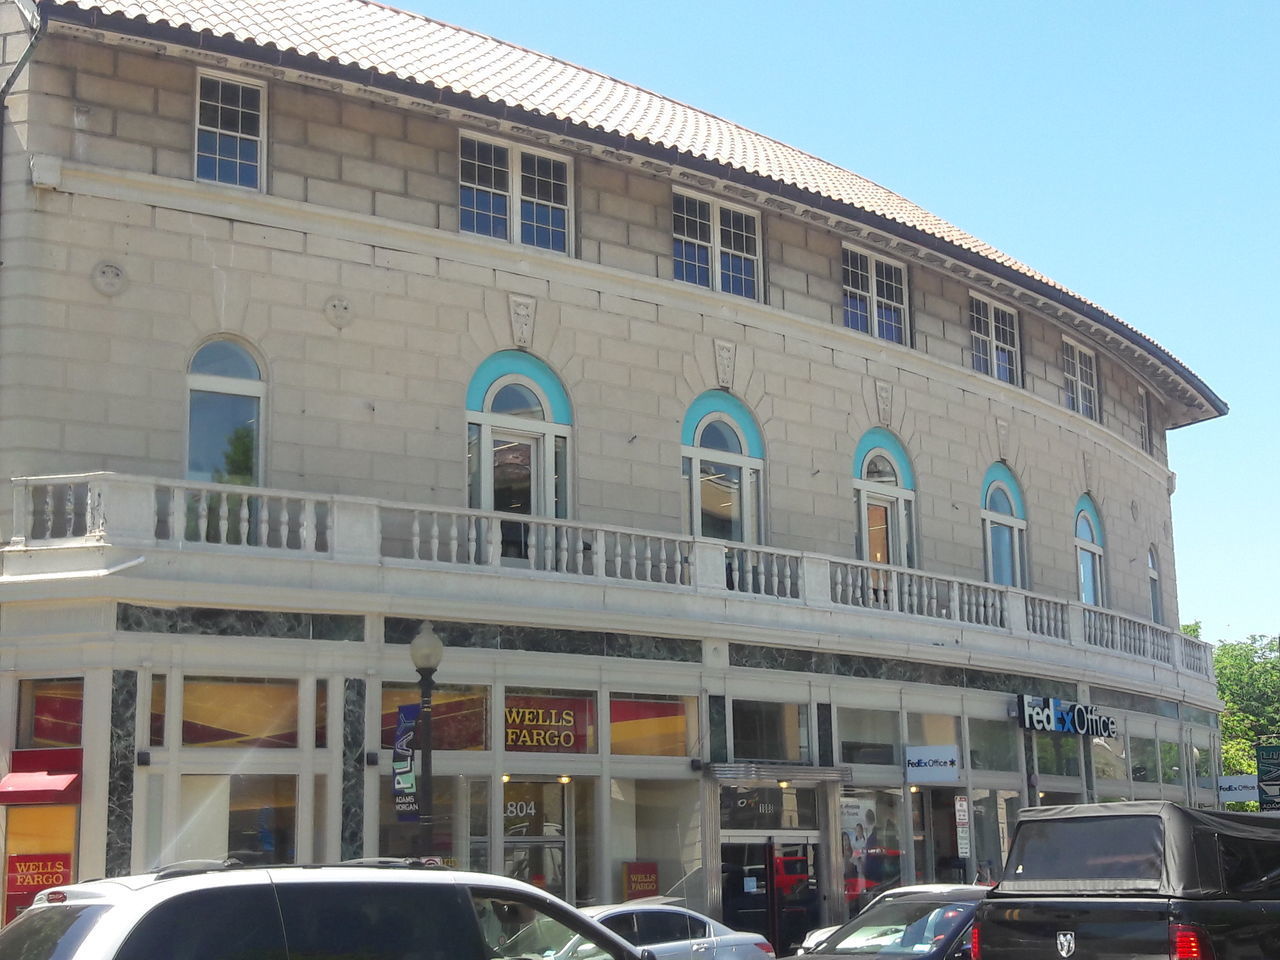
(1062, 716)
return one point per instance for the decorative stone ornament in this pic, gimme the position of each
(726, 354)
(338, 311)
(1002, 439)
(1086, 465)
(884, 403)
(108, 278)
(523, 311)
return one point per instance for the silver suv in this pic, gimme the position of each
(210, 911)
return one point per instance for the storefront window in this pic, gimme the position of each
(870, 843)
(869, 736)
(1058, 755)
(770, 731)
(992, 745)
(479, 826)
(1145, 762)
(450, 814)
(768, 808)
(1203, 757)
(1171, 763)
(39, 840)
(549, 721)
(994, 813)
(933, 730)
(533, 827)
(250, 817)
(652, 725)
(459, 715)
(654, 841)
(1109, 761)
(239, 712)
(50, 712)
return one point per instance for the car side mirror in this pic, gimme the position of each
(647, 954)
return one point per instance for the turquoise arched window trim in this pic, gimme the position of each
(518, 363)
(999, 473)
(718, 401)
(880, 438)
(1086, 505)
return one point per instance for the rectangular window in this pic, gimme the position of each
(993, 340)
(250, 816)
(50, 712)
(459, 715)
(652, 724)
(1146, 433)
(770, 731)
(733, 246)
(1080, 380)
(868, 736)
(880, 309)
(229, 123)
(239, 712)
(485, 194)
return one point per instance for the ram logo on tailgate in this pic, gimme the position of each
(1066, 942)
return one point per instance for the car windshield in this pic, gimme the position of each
(900, 928)
(49, 933)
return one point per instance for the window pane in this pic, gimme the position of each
(880, 470)
(247, 816)
(652, 725)
(1059, 754)
(232, 923)
(1090, 580)
(50, 712)
(223, 438)
(933, 730)
(513, 476)
(718, 435)
(1171, 763)
(721, 501)
(878, 540)
(1144, 762)
(459, 715)
(1002, 556)
(651, 818)
(1109, 760)
(870, 818)
(222, 358)
(549, 721)
(868, 736)
(993, 745)
(239, 712)
(998, 501)
(517, 400)
(770, 731)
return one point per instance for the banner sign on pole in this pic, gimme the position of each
(1269, 776)
(404, 782)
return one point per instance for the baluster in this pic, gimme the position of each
(69, 511)
(222, 517)
(647, 561)
(473, 537)
(731, 556)
(202, 516)
(598, 559)
(307, 525)
(895, 584)
(578, 551)
(546, 532)
(282, 524)
(631, 557)
(242, 520)
(664, 564)
(433, 538)
(859, 586)
(415, 535)
(453, 538)
(46, 511)
(616, 555)
(264, 521)
(172, 510)
(788, 580)
(562, 555)
(495, 543)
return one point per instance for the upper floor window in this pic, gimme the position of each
(1004, 528)
(518, 443)
(1080, 380)
(715, 246)
(884, 491)
(722, 465)
(1146, 431)
(875, 295)
(1089, 549)
(993, 340)
(229, 122)
(1153, 585)
(487, 192)
(225, 392)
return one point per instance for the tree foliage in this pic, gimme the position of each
(1249, 684)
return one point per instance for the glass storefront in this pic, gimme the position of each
(655, 841)
(248, 816)
(868, 736)
(870, 843)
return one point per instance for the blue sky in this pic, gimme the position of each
(1129, 150)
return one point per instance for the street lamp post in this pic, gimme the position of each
(426, 650)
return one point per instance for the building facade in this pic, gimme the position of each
(780, 534)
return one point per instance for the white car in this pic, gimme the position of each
(674, 933)
(212, 911)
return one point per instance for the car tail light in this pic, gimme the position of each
(55, 896)
(1188, 942)
(766, 946)
(975, 950)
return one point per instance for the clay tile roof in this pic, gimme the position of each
(412, 47)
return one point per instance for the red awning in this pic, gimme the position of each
(40, 786)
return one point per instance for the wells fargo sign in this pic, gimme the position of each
(29, 873)
(639, 879)
(550, 724)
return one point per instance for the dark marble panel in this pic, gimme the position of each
(400, 630)
(212, 621)
(353, 743)
(826, 757)
(120, 768)
(763, 657)
(718, 722)
(589, 643)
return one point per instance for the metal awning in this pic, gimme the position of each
(794, 772)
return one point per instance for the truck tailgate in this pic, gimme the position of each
(1093, 929)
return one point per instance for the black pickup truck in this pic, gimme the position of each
(1142, 880)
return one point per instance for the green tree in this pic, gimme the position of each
(1248, 674)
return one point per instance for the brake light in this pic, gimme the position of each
(55, 896)
(975, 951)
(766, 946)
(1188, 942)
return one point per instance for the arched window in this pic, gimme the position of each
(1153, 584)
(1089, 552)
(884, 493)
(517, 443)
(224, 428)
(722, 465)
(1004, 528)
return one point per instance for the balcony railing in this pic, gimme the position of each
(118, 509)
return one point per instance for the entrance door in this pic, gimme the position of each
(937, 849)
(534, 840)
(770, 886)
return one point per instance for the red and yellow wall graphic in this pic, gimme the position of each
(459, 716)
(57, 713)
(239, 712)
(650, 728)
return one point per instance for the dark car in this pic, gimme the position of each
(930, 925)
